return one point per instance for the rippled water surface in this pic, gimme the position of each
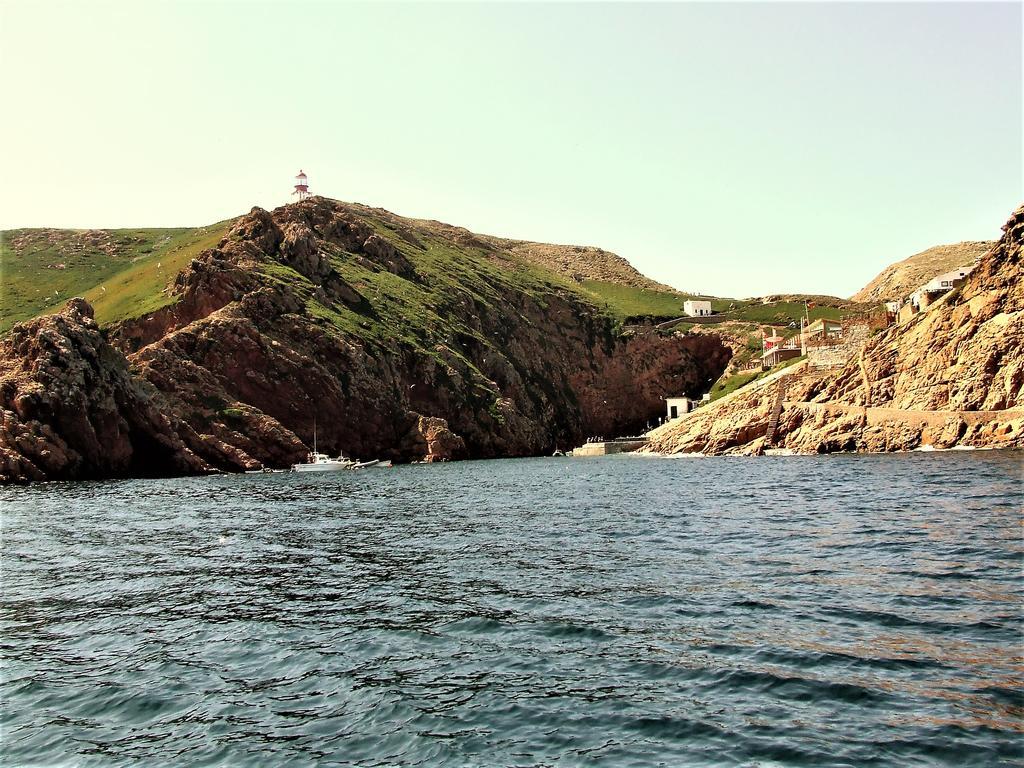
(846, 610)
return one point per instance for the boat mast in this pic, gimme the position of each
(314, 435)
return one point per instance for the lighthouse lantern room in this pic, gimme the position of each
(301, 186)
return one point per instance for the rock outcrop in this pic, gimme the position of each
(70, 408)
(395, 338)
(951, 376)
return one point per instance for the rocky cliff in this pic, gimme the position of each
(397, 338)
(70, 408)
(953, 375)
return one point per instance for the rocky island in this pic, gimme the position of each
(415, 340)
(404, 339)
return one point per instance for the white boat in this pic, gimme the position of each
(321, 462)
(375, 464)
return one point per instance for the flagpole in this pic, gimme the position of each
(803, 338)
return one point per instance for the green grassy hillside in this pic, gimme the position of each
(624, 301)
(125, 273)
(122, 272)
(423, 313)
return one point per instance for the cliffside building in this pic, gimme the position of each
(822, 329)
(937, 286)
(776, 355)
(930, 292)
(775, 349)
(697, 308)
(677, 406)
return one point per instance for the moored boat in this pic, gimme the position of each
(374, 464)
(321, 462)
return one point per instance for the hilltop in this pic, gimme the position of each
(124, 273)
(127, 273)
(581, 263)
(898, 280)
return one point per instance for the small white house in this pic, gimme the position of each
(697, 308)
(677, 406)
(947, 281)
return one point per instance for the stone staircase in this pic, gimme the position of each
(773, 420)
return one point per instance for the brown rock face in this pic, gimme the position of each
(430, 438)
(951, 376)
(966, 353)
(522, 375)
(71, 409)
(396, 340)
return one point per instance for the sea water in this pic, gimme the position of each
(620, 611)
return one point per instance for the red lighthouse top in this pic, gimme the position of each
(301, 187)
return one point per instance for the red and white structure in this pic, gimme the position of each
(775, 349)
(301, 185)
(768, 343)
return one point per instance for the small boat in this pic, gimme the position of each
(321, 462)
(375, 464)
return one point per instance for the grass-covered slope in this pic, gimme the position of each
(626, 301)
(426, 308)
(125, 273)
(122, 272)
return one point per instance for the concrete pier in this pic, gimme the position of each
(608, 447)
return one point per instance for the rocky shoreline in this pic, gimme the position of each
(952, 376)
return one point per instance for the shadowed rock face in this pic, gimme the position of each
(71, 409)
(274, 330)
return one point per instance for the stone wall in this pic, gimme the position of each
(609, 447)
(845, 349)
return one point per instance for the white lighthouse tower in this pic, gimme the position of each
(301, 185)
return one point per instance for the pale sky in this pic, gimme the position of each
(732, 148)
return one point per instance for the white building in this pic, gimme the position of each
(677, 406)
(924, 296)
(697, 308)
(947, 281)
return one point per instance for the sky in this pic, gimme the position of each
(731, 148)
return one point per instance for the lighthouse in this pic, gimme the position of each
(301, 185)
